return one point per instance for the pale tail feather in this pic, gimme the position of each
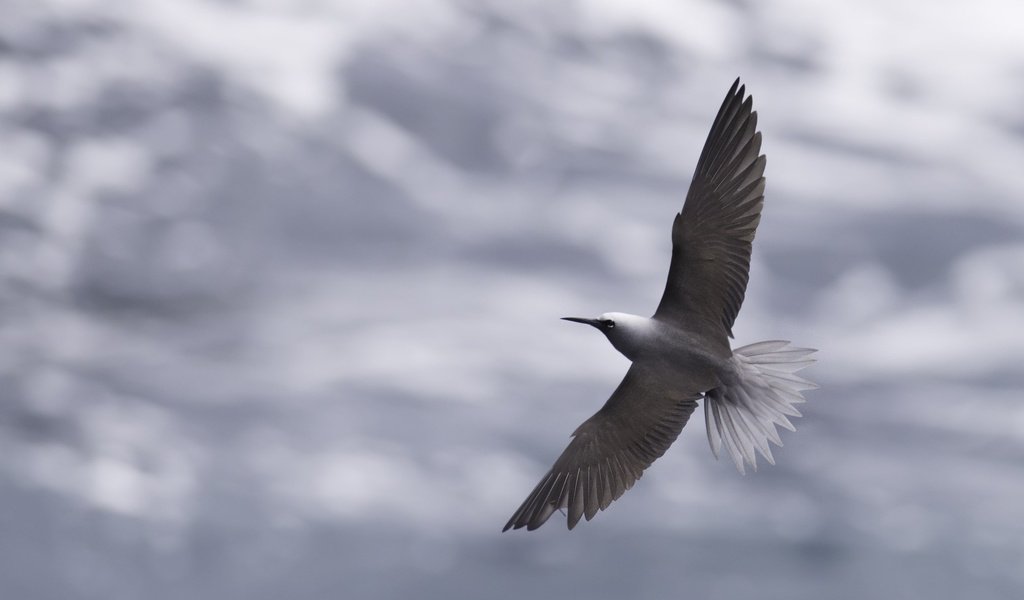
(743, 415)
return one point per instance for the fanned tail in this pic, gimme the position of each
(743, 414)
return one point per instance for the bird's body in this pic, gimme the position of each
(682, 353)
(644, 337)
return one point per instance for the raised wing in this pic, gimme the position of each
(609, 451)
(711, 237)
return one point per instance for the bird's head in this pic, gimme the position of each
(623, 330)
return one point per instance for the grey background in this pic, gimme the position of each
(279, 288)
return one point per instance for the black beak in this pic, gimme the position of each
(591, 322)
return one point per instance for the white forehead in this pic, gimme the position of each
(625, 321)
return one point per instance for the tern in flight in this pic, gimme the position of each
(682, 353)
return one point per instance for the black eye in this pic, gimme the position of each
(609, 324)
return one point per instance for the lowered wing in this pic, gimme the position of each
(610, 450)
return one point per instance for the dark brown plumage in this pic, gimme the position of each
(683, 351)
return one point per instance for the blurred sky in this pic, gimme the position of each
(279, 288)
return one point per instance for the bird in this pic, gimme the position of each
(682, 353)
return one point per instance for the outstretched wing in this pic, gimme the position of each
(711, 237)
(610, 450)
